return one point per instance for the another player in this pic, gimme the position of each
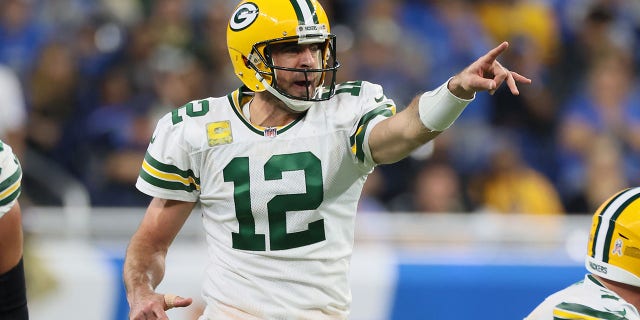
(278, 166)
(13, 293)
(612, 288)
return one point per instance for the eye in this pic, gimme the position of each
(315, 47)
(292, 48)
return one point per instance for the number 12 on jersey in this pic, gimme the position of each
(237, 171)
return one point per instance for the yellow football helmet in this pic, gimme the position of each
(613, 251)
(257, 24)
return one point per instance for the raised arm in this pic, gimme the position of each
(144, 264)
(432, 112)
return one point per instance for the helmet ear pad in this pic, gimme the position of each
(246, 62)
(244, 71)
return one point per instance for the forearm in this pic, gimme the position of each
(395, 138)
(425, 117)
(11, 239)
(144, 266)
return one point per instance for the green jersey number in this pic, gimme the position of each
(190, 110)
(237, 171)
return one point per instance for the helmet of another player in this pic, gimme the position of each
(257, 26)
(613, 251)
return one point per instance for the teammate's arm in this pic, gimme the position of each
(144, 264)
(10, 239)
(13, 290)
(428, 115)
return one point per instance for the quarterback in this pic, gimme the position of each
(278, 166)
(611, 289)
(13, 297)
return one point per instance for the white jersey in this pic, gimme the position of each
(278, 203)
(588, 299)
(10, 178)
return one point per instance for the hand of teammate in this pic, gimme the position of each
(154, 305)
(486, 74)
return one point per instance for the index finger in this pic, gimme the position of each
(492, 55)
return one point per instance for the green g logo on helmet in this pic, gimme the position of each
(244, 16)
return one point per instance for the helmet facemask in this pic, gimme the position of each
(320, 80)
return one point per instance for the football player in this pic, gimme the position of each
(611, 289)
(13, 298)
(277, 167)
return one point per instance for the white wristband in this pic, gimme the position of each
(438, 109)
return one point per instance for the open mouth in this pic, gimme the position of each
(303, 84)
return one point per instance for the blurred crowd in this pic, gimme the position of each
(83, 83)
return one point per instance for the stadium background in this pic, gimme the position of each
(493, 220)
(438, 266)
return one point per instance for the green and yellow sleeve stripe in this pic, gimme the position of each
(357, 139)
(168, 176)
(567, 311)
(10, 187)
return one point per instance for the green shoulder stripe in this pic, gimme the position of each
(168, 176)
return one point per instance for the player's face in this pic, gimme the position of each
(293, 55)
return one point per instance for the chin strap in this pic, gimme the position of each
(294, 105)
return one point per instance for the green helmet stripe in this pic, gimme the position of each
(597, 231)
(305, 12)
(314, 15)
(606, 222)
(614, 217)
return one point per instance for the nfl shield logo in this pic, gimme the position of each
(271, 132)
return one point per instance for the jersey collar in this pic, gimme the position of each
(240, 97)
